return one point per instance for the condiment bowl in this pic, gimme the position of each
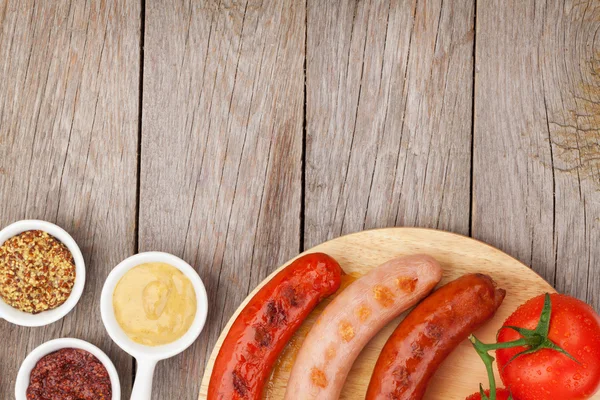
(18, 317)
(148, 356)
(55, 345)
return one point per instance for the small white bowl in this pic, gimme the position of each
(18, 317)
(148, 356)
(53, 345)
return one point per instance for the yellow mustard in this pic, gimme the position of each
(154, 303)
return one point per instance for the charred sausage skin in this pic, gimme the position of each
(266, 324)
(428, 335)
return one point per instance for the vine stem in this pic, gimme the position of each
(482, 350)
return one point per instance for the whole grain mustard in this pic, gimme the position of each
(37, 272)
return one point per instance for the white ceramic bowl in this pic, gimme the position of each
(148, 356)
(46, 317)
(57, 344)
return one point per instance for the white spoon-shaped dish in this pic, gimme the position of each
(148, 356)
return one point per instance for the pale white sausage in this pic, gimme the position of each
(352, 319)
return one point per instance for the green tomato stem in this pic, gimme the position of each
(481, 349)
(505, 345)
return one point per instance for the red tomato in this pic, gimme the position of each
(501, 394)
(549, 374)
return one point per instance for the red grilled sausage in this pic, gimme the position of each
(266, 324)
(428, 335)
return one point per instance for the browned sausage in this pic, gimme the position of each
(267, 322)
(428, 335)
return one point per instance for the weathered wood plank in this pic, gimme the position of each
(68, 122)
(221, 152)
(537, 144)
(389, 86)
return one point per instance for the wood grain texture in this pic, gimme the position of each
(536, 191)
(388, 135)
(68, 123)
(389, 86)
(461, 373)
(221, 152)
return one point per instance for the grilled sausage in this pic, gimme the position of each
(267, 322)
(428, 335)
(352, 319)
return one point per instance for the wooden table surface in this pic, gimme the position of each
(236, 134)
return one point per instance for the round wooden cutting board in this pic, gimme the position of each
(461, 373)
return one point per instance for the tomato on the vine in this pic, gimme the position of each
(501, 394)
(546, 372)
